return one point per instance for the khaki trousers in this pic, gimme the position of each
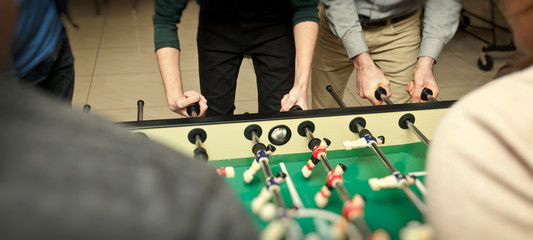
(394, 48)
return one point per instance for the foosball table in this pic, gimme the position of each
(348, 173)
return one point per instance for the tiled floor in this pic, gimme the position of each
(116, 64)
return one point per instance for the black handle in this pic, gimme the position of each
(378, 93)
(425, 93)
(193, 108)
(86, 108)
(339, 101)
(140, 106)
(296, 108)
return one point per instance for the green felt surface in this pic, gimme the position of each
(388, 209)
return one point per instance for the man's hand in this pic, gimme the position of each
(423, 78)
(296, 96)
(180, 104)
(369, 78)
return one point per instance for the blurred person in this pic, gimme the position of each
(41, 53)
(480, 163)
(68, 175)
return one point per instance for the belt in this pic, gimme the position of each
(366, 22)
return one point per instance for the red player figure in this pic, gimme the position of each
(228, 172)
(353, 208)
(334, 177)
(318, 151)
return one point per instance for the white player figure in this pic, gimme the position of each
(260, 157)
(259, 204)
(362, 142)
(334, 177)
(391, 181)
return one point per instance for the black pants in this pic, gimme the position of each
(222, 44)
(55, 74)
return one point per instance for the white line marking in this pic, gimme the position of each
(296, 200)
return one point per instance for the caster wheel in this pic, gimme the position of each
(485, 64)
(464, 22)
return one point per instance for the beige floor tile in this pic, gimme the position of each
(122, 91)
(455, 71)
(246, 84)
(190, 80)
(159, 113)
(118, 8)
(126, 61)
(83, 9)
(117, 115)
(88, 35)
(455, 93)
(130, 114)
(188, 57)
(133, 36)
(82, 85)
(187, 34)
(245, 106)
(191, 12)
(84, 61)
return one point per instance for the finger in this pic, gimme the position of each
(286, 103)
(203, 107)
(188, 101)
(416, 93)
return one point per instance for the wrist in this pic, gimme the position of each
(425, 62)
(363, 61)
(172, 101)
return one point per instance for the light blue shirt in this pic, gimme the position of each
(441, 19)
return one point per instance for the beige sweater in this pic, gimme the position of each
(480, 164)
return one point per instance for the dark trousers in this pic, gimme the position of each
(55, 74)
(222, 44)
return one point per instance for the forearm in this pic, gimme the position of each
(441, 19)
(169, 65)
(305, 34)
(344, 23)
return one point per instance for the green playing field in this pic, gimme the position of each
(387, 209)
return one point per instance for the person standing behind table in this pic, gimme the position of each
(41, 53)
(381, 40)
(480, 162)
(278, 35)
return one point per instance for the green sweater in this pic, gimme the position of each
(168, 14)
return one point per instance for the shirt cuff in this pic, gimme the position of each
(354, 44)
(431, 47)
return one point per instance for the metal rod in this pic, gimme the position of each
(343, 193)
(326, 163)
(277, 194)
(198, 141)
(255, 139)
(383, 158)
(408, 191)
(266, 169)
(386, 99)
(431, 98)
(308, 133)
(339, 101)
(414, 199)
(417, 132)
